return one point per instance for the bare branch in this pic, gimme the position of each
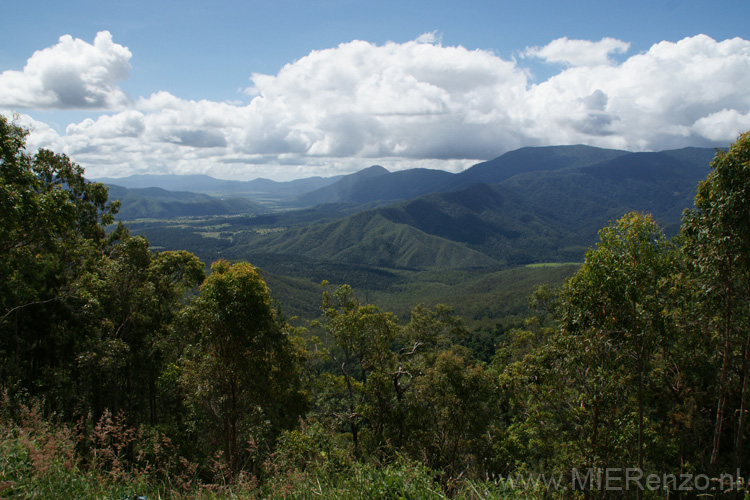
(35, 303)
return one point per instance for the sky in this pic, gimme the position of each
(287, 89)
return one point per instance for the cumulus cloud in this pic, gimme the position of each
(126, 125)
(70, 75)
(420, 103)
(391, 100)
(579, 52)
(653, 100)
(40, 135)
(722, 125)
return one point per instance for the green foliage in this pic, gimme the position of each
(717, 243)
(593, 377)
(449, 413)
(52, 228)
(312, 450)
(130, 301)
(240, 375)
(41, 459)
(405, 387)
(156, 203)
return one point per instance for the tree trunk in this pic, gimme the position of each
(639, 368)
(743, 399)
(724, 369)
(350, 392)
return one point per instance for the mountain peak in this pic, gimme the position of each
(342, 189)
(372, 171)
(531, 159)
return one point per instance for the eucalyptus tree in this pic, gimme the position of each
(450, 410)
(52, 222)
(363, 334)
(717, 244)
(381, 365)
(590, 382)
(240, 375)
(129, 300)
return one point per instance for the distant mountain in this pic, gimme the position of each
(463, 245)
(585, 198)
(346, 189)
(532, 159)
(158, 203)
(257, 188)
(191, 183)
(542, 215)
(378, 184)
(481, 226)
(367, 238)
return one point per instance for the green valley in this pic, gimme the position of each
(535, 205)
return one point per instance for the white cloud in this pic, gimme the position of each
(724, 125)
(41, 135)
(126, 125)
(414, 99)
(653, 100)
(422, 104)
(579, 52)
(70, 75)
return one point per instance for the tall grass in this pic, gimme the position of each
(43, 460)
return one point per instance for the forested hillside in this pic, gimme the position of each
(528, 207)
(126, 371)
(157, 203)
(524, 207)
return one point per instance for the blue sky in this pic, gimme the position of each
(190, 87)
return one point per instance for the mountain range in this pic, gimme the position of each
(376, 185)
(529, 205)
(159, 203)
(383, 232)
(197, 183)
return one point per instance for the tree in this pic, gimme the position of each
(52, 223)
(627, 275)
(240, 375)
(594, 376)
(364, 335)
(130, 299)
(449, 413)
(717, 243)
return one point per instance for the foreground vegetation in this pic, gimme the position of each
(126, 372)
(40, 460)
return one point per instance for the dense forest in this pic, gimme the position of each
(128, 372)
